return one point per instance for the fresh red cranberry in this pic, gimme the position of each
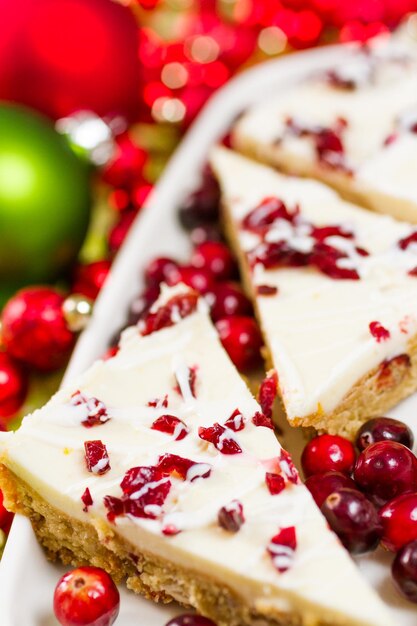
(231, 517)
(241, 339)
(86, 596)
(384, 429)
(399, 521)
(215, 257)
(227, 299)
(323, 484)
(386, 469)
(190, 620)
(142, 303)
(205, 232)
(328, 453)
(6, 517)
(198, 278)
(160, 270)
(354, 519)
(404, 571)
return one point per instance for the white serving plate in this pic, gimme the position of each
(27, 580)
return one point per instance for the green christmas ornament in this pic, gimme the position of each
(44, 199)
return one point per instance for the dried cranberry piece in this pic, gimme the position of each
(216, 435)
(171, 425)
(236, 421)
(170, 530)
(267, 393)
(337, 79)
(178, 307)
(278, 254)
(190, 620)
(327, 141)
(183, 468)
(231, 517)
(379, 332)
(325, 258)
(86, 499)
(282, 547)
(96, 410)
(114, 506)
(406, 241)
(96, 457)
(266, 213)
(288, 468)
(191, 382)
(266, 290)
(138, 477)
(159, 403)
(393, 371)
(319, 233)
(145, 490)
(275, 483)
(259, 419)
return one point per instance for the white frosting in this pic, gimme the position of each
(382, 105)
(317, 327)
(49, 454)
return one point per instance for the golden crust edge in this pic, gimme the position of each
(78, 543)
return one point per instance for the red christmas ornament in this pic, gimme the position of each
(34, 330)
(90, 278)
(61, 57)
(13, 386)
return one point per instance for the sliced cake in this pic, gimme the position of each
(159, 466)
(335, 288)
(353, 126)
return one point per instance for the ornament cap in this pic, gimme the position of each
(77, 310)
